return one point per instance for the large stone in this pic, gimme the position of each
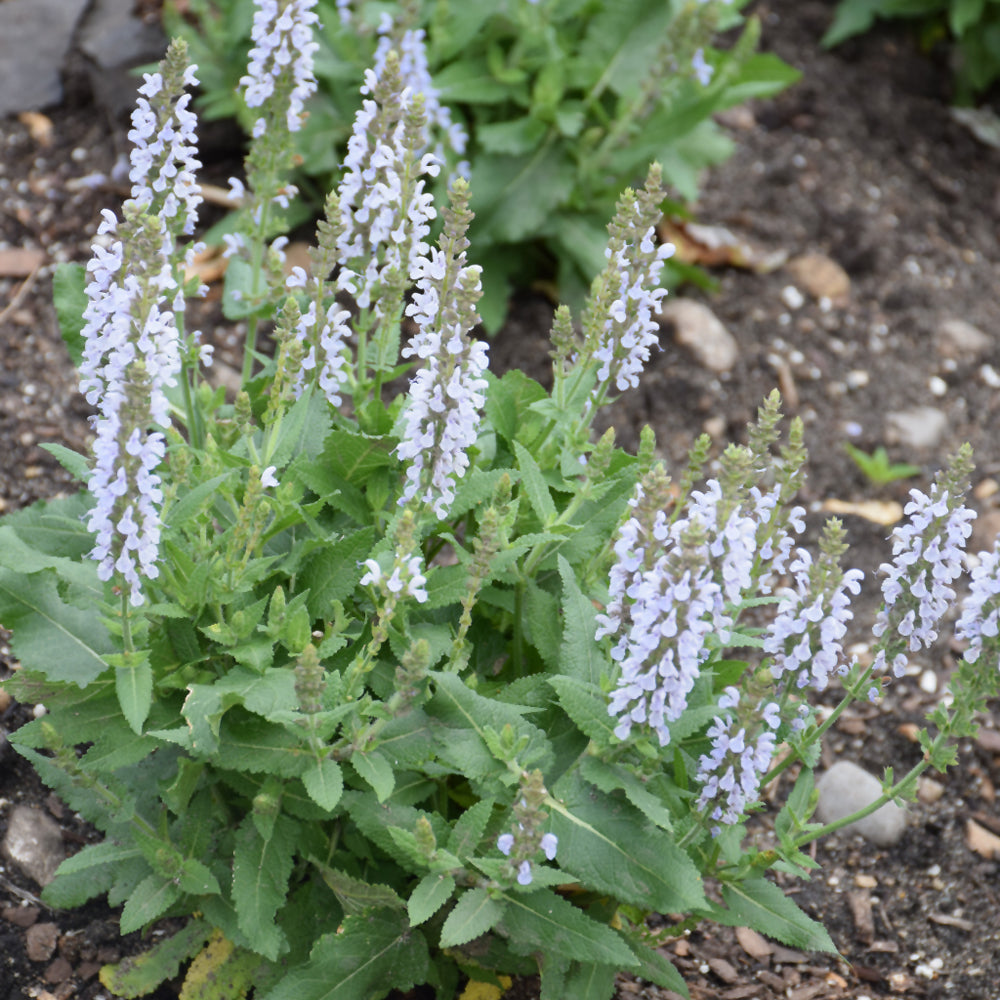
(34, 843)
(699, 330)
(35, 36)
(116, 42)
(920, 428)
(961, 341)
(844, 789)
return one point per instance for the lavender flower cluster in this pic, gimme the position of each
(674, 585)
(928, 553)
(385, 209)
(283, 48)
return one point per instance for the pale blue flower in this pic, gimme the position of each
(505, 843)
(283, 51)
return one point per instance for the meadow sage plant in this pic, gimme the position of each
(382, 671)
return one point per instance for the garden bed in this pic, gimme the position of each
(861, 164)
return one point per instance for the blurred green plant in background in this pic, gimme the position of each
(972, 25)
(550, 107)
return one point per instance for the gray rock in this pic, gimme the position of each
(35, 36)
(699, 330)
(116, 42)
(844, 789)
(921, 427)
(961, 341)
(34, 843)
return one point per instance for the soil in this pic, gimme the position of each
(863, 163)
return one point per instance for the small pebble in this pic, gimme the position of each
(844, 789)
(792, 297)
(937, 385)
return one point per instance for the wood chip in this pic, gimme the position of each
(948, 921)
(865, 881)
(39, 126)
(784, 955)
(989, 740)
(910, 730)
(981, 840)
(19, 262)
(821, 277)
(754, 944)
(807, 992)
(860, 902)
(884, 512)
(724, 970)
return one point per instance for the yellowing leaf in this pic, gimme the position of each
(219, 971)
(475, 990)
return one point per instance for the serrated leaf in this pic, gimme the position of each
(151, 898)
(761, 905)
(374, 769)
(509, 400)
(69, 296)
(546, 921)
(609, 777)
(431, 893)
(580, 654)
(86, 874)
(59, 640)
(475, 913)
(535, 485)
(134, 686)
(368, 957)
(609, 845)
(333, 571)
(469, 829)
(357, 896)
(138, 975)
(77, 465)
(513, 196)
(261, 868)
(587, 706)
(325, 783)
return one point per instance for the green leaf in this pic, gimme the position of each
(470, 82)
(152, 897)
(261, 868)
(87, 873)
(512, 138)
(851, 17)
(77, 465)
(608, 844)
(69, 295)
(134, 685)
(542, 609)
(509, 400)
(59, 640)
(354, 456)
(357, 896)
(431, 893)
(54, 527)
(325, 783)
(609, 777)
(587, 706)
(138, 975)
(333, 571)
(476, 912)
(761, 905)
(581, 656)
(582, 981)
(469, 829)
(545, 921)
(368, 957)
(534, 484)
(513, 196)
(374, 769)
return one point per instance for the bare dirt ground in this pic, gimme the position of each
(862, 164)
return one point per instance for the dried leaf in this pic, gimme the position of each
(716, 246)
(885, 512)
